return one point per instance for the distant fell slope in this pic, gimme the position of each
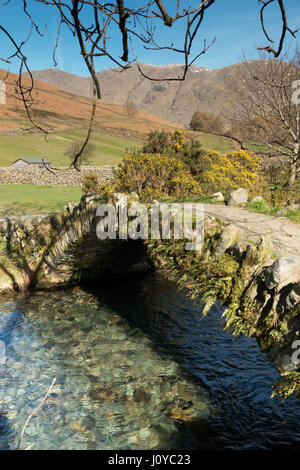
(66, 81)
(59, 109)
(175, 101)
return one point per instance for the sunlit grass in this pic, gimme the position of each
(109, 150)
(24, 199)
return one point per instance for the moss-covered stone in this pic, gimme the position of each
(237, 279)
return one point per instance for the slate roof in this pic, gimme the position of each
(33, 160)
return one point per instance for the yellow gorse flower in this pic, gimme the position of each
(232, 170)
(153, 176)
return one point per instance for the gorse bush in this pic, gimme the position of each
(165, 142)
(214, 171)
(168, 166)
(231, 171)
(279, 197)
(153, 176)
(162, 169)
(177, 141)
(158, 142)
(175, 144)
(277, 174)
(192, 157)
(90, 183)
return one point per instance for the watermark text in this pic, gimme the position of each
(157, 222)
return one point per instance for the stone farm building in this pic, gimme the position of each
(26, 162)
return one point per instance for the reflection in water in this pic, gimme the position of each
(137, 368)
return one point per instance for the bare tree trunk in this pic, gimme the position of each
(294, 164)
(292, 175)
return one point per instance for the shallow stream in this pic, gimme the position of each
(136, 367)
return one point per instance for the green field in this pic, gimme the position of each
(109, 149)
(23, 199)
(214, 142)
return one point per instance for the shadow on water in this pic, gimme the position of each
(236, 375)
(156, 307)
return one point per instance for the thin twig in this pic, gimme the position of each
(34, 412)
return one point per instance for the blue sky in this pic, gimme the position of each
(235, 23)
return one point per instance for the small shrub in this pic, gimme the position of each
(86, 154)
(260, 206)
(90, 183)
(279, 197)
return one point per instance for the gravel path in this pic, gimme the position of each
(284, 234)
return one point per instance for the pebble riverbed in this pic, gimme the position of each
(112, 391)
(137, 367)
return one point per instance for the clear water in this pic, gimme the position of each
(137, 368)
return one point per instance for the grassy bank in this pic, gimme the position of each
(23, 199)
(262, 207)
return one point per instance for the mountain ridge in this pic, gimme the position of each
(174, 101)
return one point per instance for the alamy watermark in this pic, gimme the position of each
(2, 353)
(2, 92)
(296, 94)
(156, 222)
(296, 354)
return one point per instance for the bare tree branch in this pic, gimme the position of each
(285, 27)
(91, 21)
(265, 108)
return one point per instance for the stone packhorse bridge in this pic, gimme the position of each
(62, 249)
(258, 280)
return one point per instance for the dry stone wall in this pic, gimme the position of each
(63, 176)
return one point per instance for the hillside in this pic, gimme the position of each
(174, 101)
(67, 115)
(60, 110)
